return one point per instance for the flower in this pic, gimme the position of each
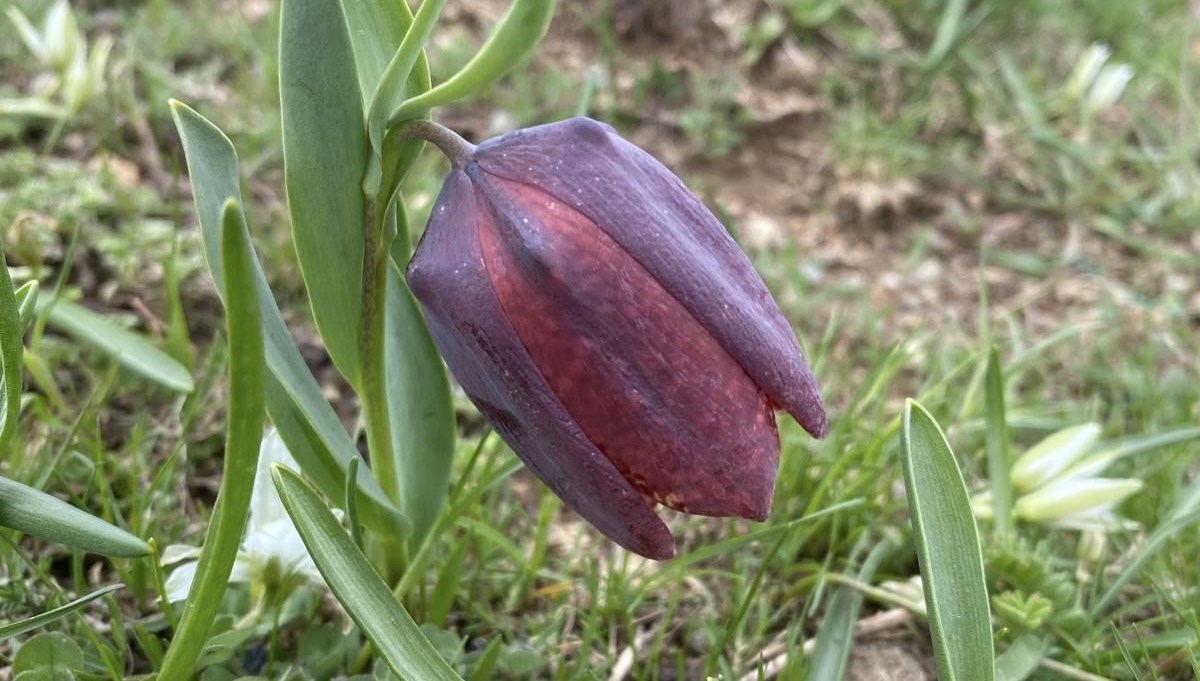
(609, 329)
(1096, 82)
(1057, 483)
(272, 555)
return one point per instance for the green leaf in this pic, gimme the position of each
(514, 38)
(948, 550)
(999, 465)
(485, 666)
(19, 627)
(1021, 659)
(243, 437)
(835, 638)
(325, 159)
(357, 586)
(419, 407)
(36, 513)
(27, 297)
(308, 425)
(52, 652)
(11, 350)
(131, 350)
(376, 28)
(393, 85)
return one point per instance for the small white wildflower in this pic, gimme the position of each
(1077, 503)
(1057, 482)
(271, 551)
(1108, 86)
(1086, 69)
(1049, 458)
(1096, 82)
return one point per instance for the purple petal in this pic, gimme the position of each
(648, 211)
(649, 386)
(448, 276)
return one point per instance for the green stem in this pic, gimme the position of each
(457, 149)
(379, 232)
(372, 379)
(389, 554)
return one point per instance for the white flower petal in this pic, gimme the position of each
(179, 582)
(243, 569)
(1049, 458)
(1072, 498)
(175, 553)
(1087, 68)
(265, 505)
(1108, 86)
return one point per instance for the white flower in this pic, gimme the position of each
(1046, 460)
(271, 553)
(1095, 82)
(1108, 86)
(1057, 483)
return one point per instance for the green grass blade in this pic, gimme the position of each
(1179, 521)
(948, 33)
(50, 616)
(308, 425)
(27, 297)
(36, 513)
(325, 158)
(11, 350)
(997, 446)
(948, 551)
(835, 638)
(243, 438)
(131, 350)
(357, 586)
(420, 410)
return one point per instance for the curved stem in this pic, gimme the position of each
(457, 149)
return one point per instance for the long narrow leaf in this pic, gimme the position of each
(243, 438)
(393, 84)
(11, 330)
(948, 551)
(36, 513)
(50, 616)
(997, 445)
(325, 158)
(376, 28)
(420, 410)
(357, 586)
(308, 425)
(514, 38)
(131, 350)
(835, 638)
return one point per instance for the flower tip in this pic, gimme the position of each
(818, 427)
(661, 552)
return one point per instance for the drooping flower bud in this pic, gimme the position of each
(609, 329)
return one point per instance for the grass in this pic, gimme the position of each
(1064, 237)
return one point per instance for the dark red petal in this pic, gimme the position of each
(648, 385)
(652, 216)
(448, 277)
